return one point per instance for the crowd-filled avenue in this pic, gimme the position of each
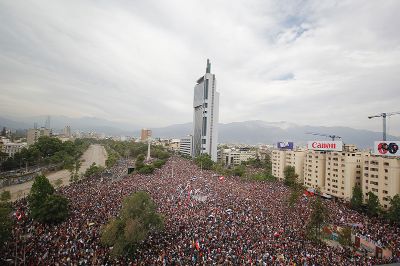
(208, 221)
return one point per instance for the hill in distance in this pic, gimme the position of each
(246, 132)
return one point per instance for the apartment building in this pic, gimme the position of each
(295, 158)
(314, 169)
(381, 175)
(145, 134)
(342, 173)
(278, 163)
(34, 134)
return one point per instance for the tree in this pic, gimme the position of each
(318, 218)
(146, 169)
(296, 192)
(394, 209)
(41, 188)
(5, 195)
(93, 170)
(290, 175)
(138, 218)
(44, 205)
(77, 166)
(356, 201)
(373, 205)
(239, 170)
(158, 163)
(5, 223)
(53, 210)
(139, 162)
(345, 236)
(204, 161)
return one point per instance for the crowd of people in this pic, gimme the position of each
(208, 221)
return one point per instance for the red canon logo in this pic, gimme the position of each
(319, 145)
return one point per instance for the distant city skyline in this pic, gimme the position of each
(311, 63)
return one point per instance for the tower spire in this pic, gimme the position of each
(208, 69)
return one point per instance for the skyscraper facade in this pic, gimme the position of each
(205, 115)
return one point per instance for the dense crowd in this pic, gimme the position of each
(208, 221)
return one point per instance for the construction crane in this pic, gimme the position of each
(384, 115)
(333, 137)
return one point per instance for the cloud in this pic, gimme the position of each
(309, 62)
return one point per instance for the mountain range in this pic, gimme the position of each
(246, 132)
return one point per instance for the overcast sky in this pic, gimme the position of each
(309, 62)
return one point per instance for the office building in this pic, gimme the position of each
(236, 156)
(205, 115)
(145, 134)
(185, 145)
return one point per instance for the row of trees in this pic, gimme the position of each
(372, 207)
(143, 168)
(204, 161)
(128, 149)
(45, 151)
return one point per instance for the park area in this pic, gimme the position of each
(94, 154)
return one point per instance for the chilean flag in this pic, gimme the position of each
(221, 178)
(197, 245)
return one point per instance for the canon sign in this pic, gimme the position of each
(321, 145)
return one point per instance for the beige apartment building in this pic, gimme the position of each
(34, 134)
(295, 158)
(314, 169)
(282, 158)
(381, 175)
(278, 163)
(337, 172)
(343, 171)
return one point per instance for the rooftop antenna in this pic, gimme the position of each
(208, 69)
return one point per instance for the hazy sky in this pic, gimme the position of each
(308, 62)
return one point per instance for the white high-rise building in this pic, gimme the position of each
(205, 115)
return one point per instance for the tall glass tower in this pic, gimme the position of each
(205, 115)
